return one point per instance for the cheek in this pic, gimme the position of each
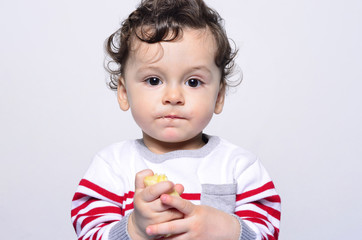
(205, 103)
(142, 109)
(137, 100)
(203, 111)
(140, 117)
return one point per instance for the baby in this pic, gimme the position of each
(172, 60)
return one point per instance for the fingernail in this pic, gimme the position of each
(164, 197)
(149, 231)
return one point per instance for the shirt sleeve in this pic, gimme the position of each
(257, 203)
(99, 203)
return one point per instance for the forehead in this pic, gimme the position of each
(197, 45)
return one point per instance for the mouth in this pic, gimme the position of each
(172, 117)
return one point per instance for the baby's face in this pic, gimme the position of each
(173, 88)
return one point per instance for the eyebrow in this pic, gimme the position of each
(156, 68)
(146, 68)
(202, 68)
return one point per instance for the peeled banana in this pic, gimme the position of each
(150, 180)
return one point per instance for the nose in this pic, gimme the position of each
(174, 96)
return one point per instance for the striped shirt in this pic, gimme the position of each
(219, 174)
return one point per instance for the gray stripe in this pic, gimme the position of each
(198, 153)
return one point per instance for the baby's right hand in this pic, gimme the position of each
(148, 208)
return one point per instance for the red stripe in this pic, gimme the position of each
(257, 220)
(89, 219)
(254, 192)
(271, 211)
(83, 238)
(262, 222)
(276, 233)
(104, 224)
(191, 196)
(111, 196)
(76, 210)
(126, 208)
(128, 195)
(102, 191)
(270, 237)
(274, 198)
(250, 214)
(78, 196)
(96, 213)
(84, 205)
(101, 210)
(95, 235)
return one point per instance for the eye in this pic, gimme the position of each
(193, 83)
(153, 81)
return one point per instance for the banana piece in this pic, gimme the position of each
(150, 180)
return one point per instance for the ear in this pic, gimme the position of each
(220, 99)
(122, 95)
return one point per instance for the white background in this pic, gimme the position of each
(298, 108)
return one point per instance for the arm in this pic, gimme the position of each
(95, 210)
(102, 200)
(98, 213)
(257, 203)
(98, 204)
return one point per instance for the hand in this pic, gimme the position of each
(199, 222)
(148, 208)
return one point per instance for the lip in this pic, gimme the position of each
(173, 117)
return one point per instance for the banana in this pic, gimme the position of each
(150, 180)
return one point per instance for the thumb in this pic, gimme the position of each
(140, 176)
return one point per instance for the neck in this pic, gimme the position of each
(160, 147)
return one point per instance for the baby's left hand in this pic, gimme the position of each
(199, 222)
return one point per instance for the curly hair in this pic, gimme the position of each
(163, 20)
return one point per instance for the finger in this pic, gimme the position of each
(179, 188)
(184, 206)
(158, 207)
(153, 192)
(168, 228)
(139, 184)
(169, 215)
(166, 216)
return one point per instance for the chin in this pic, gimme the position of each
(172, 135)
(177, 138)
(172, 139)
